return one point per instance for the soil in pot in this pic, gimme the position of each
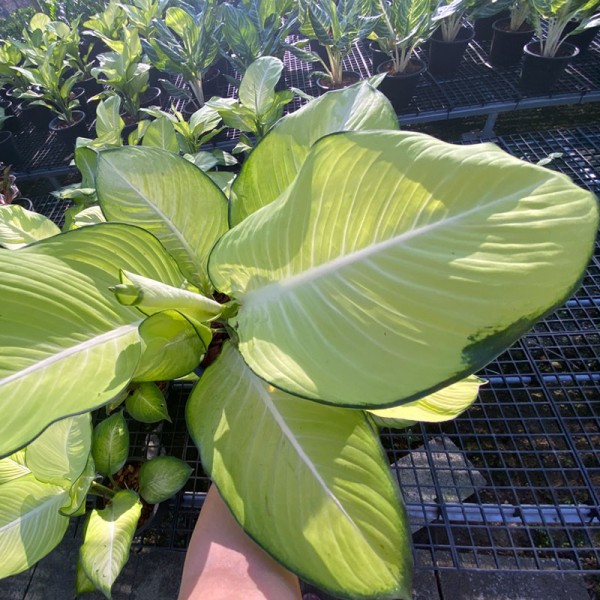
(507, 45)
(400, 88)
(9, 153)
(445, 57)
(541, 73)
(69, 132)
(348, 78)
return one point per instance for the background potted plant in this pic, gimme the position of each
(254, 28)
(511, 34)
(52, 88)
(9, 192)
(402, 27)
(451, 36)
(259, 106)
(328, 249)
(123, 71)
(185, 44)
(547, 58)
(335, 27)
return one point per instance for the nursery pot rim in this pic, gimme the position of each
(53, 125)
(414, 60)
(564, 55)
(525, 27)
(345, 73)
(460, 38)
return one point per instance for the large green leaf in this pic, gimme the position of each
(30, 522)
(60, 454)
(397, 264)
(308, 482)
(59, 320)
(19, 227)
(169, 197)
(107, 538)
(274, 163)
(161, 134)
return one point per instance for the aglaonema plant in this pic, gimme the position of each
(362, 275)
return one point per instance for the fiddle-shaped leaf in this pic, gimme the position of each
(107, 539)
(147, 404)
(162, 477)
(308, 482)
(30, 522)
(381, 266)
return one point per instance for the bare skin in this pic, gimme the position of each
(223, 563)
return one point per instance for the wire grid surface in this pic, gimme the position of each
(514, 483)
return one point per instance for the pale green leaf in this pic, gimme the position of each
(83, 584)
(19, 227)
(161, 134)
(169, 197)
(107, 539)
(443, 405)
(147, 404)
(399, 280)
(172, 346)
(30, 524)
(13, 467)
(59, 320)
(162, 477)
(110, 444)
(276, 160)
(59, 455)
(257, 89)
(79, 490)
(88, 216)
(308, 482)
(108, 120)
(224, 179)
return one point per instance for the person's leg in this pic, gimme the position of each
(223, 563)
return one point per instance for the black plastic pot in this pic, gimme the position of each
(445, 57)
(349, 78)
(484, 27)
(33, 114)
(582, 40)
(150, 97)
(68, 133)
(540, 73)
(377, 56)
(507, 45)
(212, 82)
(91, 87)
(9, 152)
(400, 88)
(26, 203)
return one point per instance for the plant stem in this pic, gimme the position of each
(196, 86)
(101, 490)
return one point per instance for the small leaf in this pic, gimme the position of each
(443, 405)
(79, 490)
(146, 404)
(107, 539)
(110, 444)
(162, 477)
